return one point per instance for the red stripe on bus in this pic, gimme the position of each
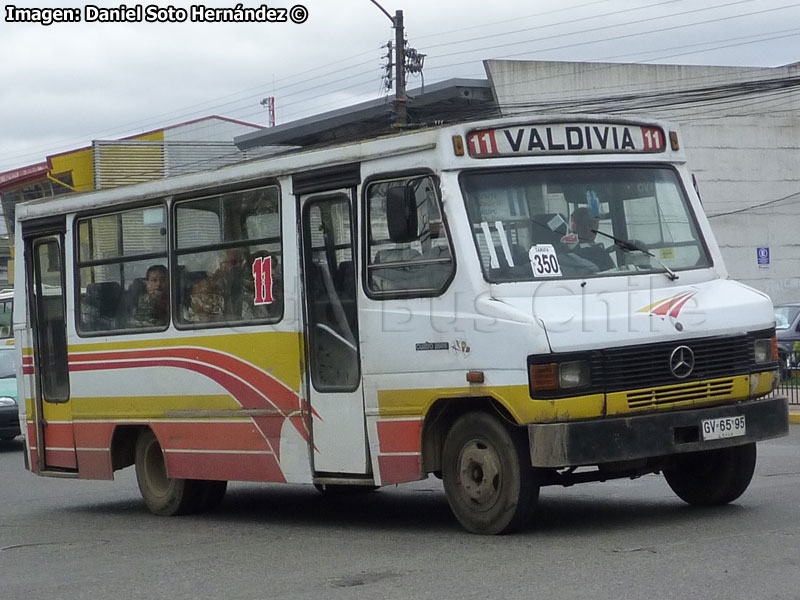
(399, 469)
(93, 435)
(666, 307)
(59, 435)
(273, 392)
(34, 464)
(400, 436)
(64, 459)
(93, 464)
(228, 467)
(280, 395)
(243, 393)
(675, 310)
(210, 436)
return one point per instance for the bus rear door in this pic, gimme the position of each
(44, 247)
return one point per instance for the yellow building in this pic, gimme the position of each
(183, 148)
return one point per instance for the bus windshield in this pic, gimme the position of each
(587, 221)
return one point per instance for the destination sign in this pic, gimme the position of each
(562, 138)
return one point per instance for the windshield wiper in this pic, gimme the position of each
(629, 246)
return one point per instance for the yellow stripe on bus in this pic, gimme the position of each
(148, 407)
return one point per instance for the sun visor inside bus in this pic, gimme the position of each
(45, 225)
(326, 179)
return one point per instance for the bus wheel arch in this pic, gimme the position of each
(440, 418)
(123, 445)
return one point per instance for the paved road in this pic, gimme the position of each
(69, 539)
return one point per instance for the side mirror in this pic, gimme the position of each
(401, 214)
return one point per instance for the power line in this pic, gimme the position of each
(754, 207)
(609, 39)
(310, 100)
(513, 20)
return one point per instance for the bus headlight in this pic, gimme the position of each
(574, 374)
(548, 379)
(766, 350)
(7, 401)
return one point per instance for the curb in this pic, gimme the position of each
(794, 417)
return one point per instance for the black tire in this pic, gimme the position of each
(163, 495)
(211, 494)
(488, 480)
(712, 477)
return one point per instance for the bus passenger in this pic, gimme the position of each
(151, 308)
(231, 274)
(207, 300)
(584, 225)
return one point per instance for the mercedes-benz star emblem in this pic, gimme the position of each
(681, 362)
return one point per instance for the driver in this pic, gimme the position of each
(584, 225)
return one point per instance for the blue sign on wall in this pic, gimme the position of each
(762, 255)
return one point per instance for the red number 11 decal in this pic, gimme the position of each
(262, 275)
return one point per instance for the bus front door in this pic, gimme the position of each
(332, 352)
(45, 280)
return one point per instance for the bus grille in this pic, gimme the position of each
(689, 392)
(647, 366)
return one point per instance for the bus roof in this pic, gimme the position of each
(304, 159)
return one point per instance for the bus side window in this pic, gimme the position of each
(117, 252)
(229, 258)
(410, 265)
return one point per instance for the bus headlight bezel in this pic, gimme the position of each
(554, 376)
(765, 351)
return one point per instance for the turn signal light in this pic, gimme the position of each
(458, 145)
(544, 378)
(673, 141)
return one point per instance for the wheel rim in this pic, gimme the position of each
(155, 471)
(479, 474)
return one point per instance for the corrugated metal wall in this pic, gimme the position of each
(118, 163)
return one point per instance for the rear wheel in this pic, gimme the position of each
(712, 477)
(163, 495)
(487, 476)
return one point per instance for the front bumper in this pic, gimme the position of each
(9, 422)
(645, 436)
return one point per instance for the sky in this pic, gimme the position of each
(66, 84)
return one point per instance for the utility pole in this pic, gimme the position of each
(400, 112)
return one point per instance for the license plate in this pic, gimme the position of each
(724, 427)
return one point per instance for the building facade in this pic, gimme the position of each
(741, 130)
(183, 148)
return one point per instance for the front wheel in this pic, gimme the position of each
(163, 495)
(488, 480)
(712, 477)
